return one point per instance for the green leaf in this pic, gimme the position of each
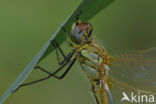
(89, 8)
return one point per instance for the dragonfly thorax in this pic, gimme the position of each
(80, 32)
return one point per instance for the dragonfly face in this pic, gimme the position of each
(81, 32)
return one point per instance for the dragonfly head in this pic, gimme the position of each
(81, 32)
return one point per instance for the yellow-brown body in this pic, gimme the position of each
(94, 61)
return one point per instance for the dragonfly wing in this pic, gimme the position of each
(135, 68)
(122, 93)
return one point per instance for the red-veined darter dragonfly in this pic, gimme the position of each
(108, 75)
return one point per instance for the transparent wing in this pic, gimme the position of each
(133, 71)
(135, 68)
(121, 90)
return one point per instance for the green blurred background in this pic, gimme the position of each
(26, 25)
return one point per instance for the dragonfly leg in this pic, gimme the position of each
(57, 47)
(67, 37)
(58, 77)
(51, 74)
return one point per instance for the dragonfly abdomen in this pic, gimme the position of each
(96, 68)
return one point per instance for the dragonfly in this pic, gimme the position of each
(125, 71)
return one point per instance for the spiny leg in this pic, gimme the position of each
(57, 47)
(58, 77)
(67, 37)
(51, 74)
(65, 62)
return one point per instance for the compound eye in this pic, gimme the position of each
(86, 27)
(80, 32)
(83, 26)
